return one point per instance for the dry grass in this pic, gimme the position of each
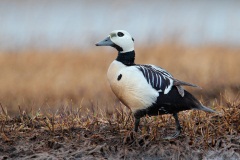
(61, 102)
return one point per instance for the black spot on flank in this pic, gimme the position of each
(132, 39)
(120, 34)
(119, 77)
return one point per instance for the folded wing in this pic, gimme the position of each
(161, 80)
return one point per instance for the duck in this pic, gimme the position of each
(146, 89)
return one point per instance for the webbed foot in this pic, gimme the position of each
(178, 128)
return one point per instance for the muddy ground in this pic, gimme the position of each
(106, 143)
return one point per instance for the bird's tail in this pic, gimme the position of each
(204, 108)
(195, 104)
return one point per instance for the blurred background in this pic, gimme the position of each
(80, 23)
(48, 57)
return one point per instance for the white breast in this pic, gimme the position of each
(132, 89)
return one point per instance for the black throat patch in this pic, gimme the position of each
(126, 58)
(117, 47)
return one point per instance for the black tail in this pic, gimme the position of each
(195, 104)
(204, 108)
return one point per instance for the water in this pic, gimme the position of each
(80, 24)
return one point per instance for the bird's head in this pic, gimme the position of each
(119, 39)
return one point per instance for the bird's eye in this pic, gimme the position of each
(120, 34)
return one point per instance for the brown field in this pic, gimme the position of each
(60, 105)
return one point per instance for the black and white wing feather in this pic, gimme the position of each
(157, 77)
(161, 80)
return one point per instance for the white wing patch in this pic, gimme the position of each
(157, 77)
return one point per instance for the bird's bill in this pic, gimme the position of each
(106, 42)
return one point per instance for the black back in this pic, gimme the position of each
(170, 103)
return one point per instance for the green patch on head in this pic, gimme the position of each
(113, 35)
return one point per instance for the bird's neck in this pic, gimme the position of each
(126, 58)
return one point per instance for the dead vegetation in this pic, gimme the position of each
(60, 105)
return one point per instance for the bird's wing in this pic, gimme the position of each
(179, 85)
(182, 83)
(162, 80)
(157, 77)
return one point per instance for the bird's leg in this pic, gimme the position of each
(137, 115)
(178, 128)
(130, 138)
(136, 124)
